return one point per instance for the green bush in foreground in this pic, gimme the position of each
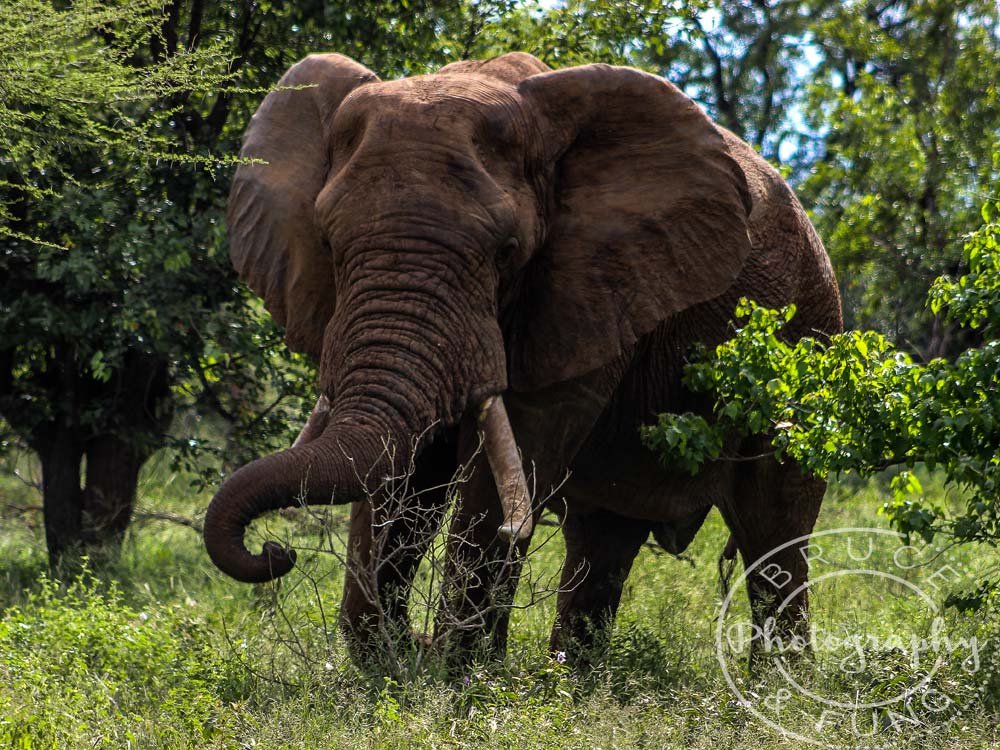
(856, 403)
(76, 660)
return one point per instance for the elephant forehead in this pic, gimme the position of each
(453, 101)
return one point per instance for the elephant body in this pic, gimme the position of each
(616, 492)
(786, 265)
(557, 239)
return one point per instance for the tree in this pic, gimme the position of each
(745, 62)
(578, 32)
(71, 383)
(905, 113)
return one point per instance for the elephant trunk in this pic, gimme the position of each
(401, 357)
(331, 468)
(501, 451)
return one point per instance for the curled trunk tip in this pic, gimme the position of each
(320, 472)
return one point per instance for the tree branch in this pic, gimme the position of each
(727, 111)
(194, 25)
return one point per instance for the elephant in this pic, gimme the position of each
(506, 253)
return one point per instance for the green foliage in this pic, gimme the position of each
(857, 403)
(106, 103)
(688, 439)
(71, 86)
(902, 116)
(578, 32)
(974, 298)
(72, 659)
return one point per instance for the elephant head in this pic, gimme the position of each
(435, 241)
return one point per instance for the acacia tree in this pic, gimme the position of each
(76, 378)
(118, 300)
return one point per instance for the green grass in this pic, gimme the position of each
(160, 650)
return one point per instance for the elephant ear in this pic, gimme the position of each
(647, 216)
(274, 241)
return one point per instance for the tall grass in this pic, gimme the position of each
(160, 650)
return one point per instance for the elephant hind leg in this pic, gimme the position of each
(772, 506)
(600, 549)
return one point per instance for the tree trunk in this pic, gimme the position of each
(136, 410)
(61, 494)
(142, 411)
(113, 468)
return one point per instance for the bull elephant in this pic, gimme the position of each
(502, 249)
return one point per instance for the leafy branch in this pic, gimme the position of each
(856, 403)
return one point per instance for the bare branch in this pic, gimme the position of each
(407, 522)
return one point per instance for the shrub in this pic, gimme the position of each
(857, 403)
(79, 666)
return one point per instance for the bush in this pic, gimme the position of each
(78, 666)
(857, 403)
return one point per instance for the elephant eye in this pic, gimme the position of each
(506, 252)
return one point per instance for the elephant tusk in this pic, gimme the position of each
(316, 423)
(508, 471)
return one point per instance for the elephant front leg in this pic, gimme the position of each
(481, 576)
(385, 544)
(483, 570)
(600, 549)
(382, 559)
